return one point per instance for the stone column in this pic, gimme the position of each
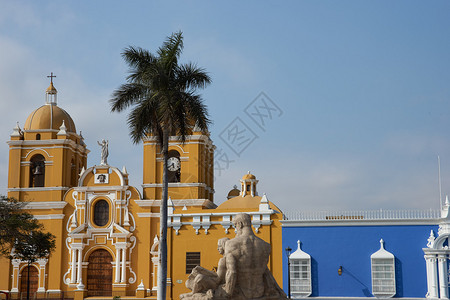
(15, 276)
(74, 271)
(42, 262)
(80, 258)
(124, 260)
(443, 279)
(117, 265)
(431, 276)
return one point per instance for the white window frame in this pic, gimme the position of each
(301, 283)
(383, 273)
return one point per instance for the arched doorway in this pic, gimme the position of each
(34, 281)
(99, 274)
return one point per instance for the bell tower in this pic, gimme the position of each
(46, 157)
(190, 166)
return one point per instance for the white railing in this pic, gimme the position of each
(380, 214)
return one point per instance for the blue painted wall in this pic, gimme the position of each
(351, 248)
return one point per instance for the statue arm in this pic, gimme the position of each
(231, 274)
(221, 270)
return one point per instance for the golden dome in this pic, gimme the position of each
(233, 193)
(248, 176)
(247, 202)
(49, 116)
(51, 89)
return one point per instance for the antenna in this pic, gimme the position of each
(439, 181)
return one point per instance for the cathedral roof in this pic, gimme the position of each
(247, 202)
(49, 116)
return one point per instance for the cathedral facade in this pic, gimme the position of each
(107, 232)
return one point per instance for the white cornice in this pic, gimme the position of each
(180, 203)
(45, 205)
(322, 223)
(50, 217)
(174, 184)
(148, 215)
(101, 188)
(38, 189)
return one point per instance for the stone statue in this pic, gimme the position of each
(242, 273)
(105, 153)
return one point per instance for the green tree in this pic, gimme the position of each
(162, 94)
(14, 223)
(21, 235)
(31, 247)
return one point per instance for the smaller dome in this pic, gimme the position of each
(51, 89)
(234, 193)
(248, 176)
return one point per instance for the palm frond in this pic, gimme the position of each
(189, 76)
(127, 95)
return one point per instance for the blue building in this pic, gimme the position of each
(359, 254)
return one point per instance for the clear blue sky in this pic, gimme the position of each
(362, 88)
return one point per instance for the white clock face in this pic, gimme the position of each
(173, 164)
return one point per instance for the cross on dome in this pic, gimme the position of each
(51, 77)
(50, 93)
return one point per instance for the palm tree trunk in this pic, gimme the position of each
(162, 270)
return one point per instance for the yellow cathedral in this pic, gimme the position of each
(106, 230)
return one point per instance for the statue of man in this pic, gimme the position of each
(105, 153)
(246, 261)
(242, 272)
(204, 281)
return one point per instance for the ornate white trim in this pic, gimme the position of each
(46, 205)
(50, 217)
(174, 184)
(38, 189)
(177, 202)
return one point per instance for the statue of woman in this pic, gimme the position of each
(105, 153)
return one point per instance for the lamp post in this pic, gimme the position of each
(288, 254)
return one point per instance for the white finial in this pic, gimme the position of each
(264, 203)
(141, 286)
(124, 170)
(184, 207)
(430, 240)
(74, 220)
(17, 131)
(298, 245)
(446, 200)
(82, 171)
(382, 244)
(62, 129)
(248, 172)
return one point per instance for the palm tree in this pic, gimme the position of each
(162, 94)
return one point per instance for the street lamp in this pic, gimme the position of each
(288, 254)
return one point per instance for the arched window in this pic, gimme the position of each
(174, 166)
(101, 213)
(383, 273)
(300, 273)
(37, 171)
(38, 136)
